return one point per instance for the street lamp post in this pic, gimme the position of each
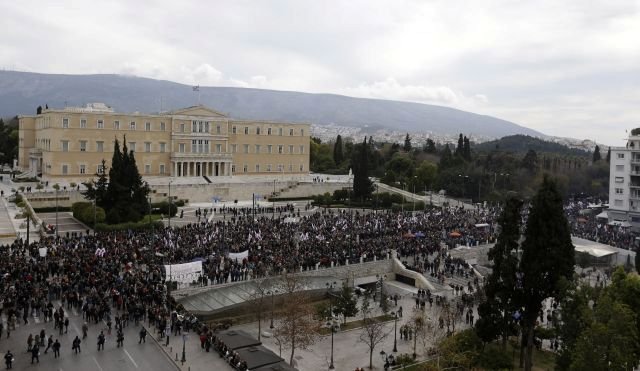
(170, 203)
(56, 189)
(271, 326)
(273, 201)
(415, 179)
(395, 331)
(184, 353)
(329, 288)
(381, 279)
(464, 184)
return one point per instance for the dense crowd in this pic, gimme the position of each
(121, 273)
(585, 223)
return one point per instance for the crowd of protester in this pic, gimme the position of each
(585, 223)
(122, 273)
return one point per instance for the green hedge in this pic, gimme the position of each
(84, 212)
(163, 208)
(101, 227)
(51, 209)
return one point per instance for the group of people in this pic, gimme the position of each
(128, 276)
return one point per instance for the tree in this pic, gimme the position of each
(258, 298)
(362, 186)
(609, 155)
(466, 149)
(346, 303)
(596, 154)
(496, 314)
(445, 157)
(547, 257)
(338, 155)
(426, 173)
(530, 161)
(430, 146)
(460, 146)
(296, 325)
(407, 143)
(373, 331)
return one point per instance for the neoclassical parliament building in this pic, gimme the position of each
(71, 143)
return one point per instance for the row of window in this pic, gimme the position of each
(197, 146)
(116, 125)
(82, 169)
(247, 131)
(267, 168)
(258, 148)
(196, 127)
(82, 146)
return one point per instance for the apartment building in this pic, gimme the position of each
(195, 141)
(624, 183)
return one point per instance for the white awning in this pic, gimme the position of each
(593, 248)
(482, 225)
(603, 215)
(619, 223)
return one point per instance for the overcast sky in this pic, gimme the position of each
(566, 68)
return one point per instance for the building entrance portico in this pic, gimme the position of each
(189, 168)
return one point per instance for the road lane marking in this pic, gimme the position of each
(97, 364)
(131, 358)
(76, 328)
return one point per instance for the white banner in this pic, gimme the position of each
(42, 251)
(239, 256)
(183, 273)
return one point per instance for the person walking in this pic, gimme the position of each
(101, 341)
(29, 342)
(120, 338)
(8, 359)
(49, 344)
(85, 329)
(143, 336)
(56, 349)
(35, 353)
(76, 345)
(66, 325)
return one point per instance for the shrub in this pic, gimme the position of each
(494, 359)
(113, 216)
(84, 212)
(129, 226)
(163, 208)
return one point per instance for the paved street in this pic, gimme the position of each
(133, 356)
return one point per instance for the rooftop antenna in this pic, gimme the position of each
(197, 88)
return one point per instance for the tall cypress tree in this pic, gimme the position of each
(548, 257)
(362, 186)
(460, 147)
(407, 143)
(445, 157)
(338, 151)
(596, 154)
(115, 188)
(496, 314)
(609, 155)
(466, 149)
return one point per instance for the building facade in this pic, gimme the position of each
(71, 143)
(624, 183)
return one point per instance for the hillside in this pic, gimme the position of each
(22, 92)
(523, 143)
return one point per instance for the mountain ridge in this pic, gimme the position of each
(22, 92)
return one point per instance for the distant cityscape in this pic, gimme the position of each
(328, 133)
